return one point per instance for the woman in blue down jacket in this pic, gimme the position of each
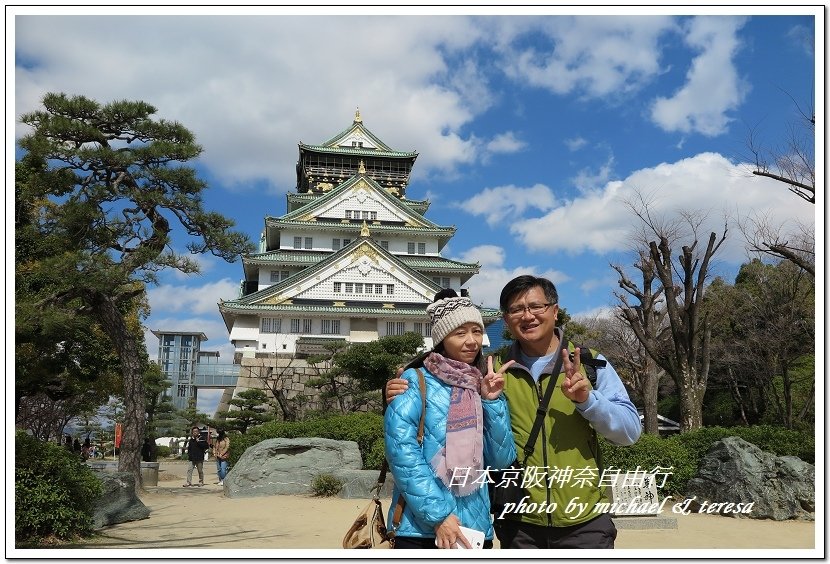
(466, 431)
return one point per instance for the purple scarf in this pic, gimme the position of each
(465, 425)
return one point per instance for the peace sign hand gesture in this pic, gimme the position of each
(493, 382)
(575, 385)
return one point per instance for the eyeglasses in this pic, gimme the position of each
(534, 309)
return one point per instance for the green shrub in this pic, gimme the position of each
(682, 453)
(363, 428)
(54, 492)
(652, 453)
(162, 452)
(326, 485)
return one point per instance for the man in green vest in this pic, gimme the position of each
(559, 510)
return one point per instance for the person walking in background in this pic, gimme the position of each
(146, 451)
(196, 447)
(466, 429)
(221, 451)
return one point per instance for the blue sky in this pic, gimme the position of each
(533, 128)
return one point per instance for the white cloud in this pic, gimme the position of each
(587, 179)
(195, 299)
(191, 308)
(508, 202)
(575, 143)
(239, 84)
(712, 87)
(592, 56)
(708, 182)
(207, 401)
(485, 287)
(506, 142)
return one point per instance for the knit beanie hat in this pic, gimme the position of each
(450, 313)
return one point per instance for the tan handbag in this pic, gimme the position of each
(369, 528)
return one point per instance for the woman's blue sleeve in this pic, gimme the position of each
(499, 446)
(428, 499)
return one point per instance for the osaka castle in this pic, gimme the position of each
(352, 259)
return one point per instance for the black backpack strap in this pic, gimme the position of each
(542, 409)
(586, 358)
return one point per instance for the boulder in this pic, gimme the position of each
(288, 466)
(118, 502)
(733, 470)
(360, 484)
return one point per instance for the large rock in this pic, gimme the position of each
(118, 502)
(733, 470)
(288, 466)
(360, 484)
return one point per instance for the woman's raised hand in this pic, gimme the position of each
(493, 382)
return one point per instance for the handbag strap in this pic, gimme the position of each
(399, 507)
(542, 410)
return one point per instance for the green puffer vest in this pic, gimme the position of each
(566, 453)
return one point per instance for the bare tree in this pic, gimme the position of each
(45, 417)
(687, 359)
(275, 379)
(794, 163)
(767, 237)
(646, 319)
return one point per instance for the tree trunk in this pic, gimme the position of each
(788, 394)
(650, 381)
(691, 403)
(111, 319)
(736, 395)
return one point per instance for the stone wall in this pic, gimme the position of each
(290, 376)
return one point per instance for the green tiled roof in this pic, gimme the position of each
(312, 270)
(280, 223)
(419, 206)
(362, 151)
(325, 308)
(420, 262)
(373, 186)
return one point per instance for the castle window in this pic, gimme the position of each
(346, 242)
(410, 248)
(295, 325)
(385, 244)
(338, 287)
(378, 288)
(308, 242)
(422, 248)
(349, 287)
(395, 328)
(348, 214)
(335, 244)
(369, 288)
(390, 289)
(358, 288)
(270, 325)
(298, 242)
(331, 327)
(279, 275)
(423, 329)
(443, 282)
